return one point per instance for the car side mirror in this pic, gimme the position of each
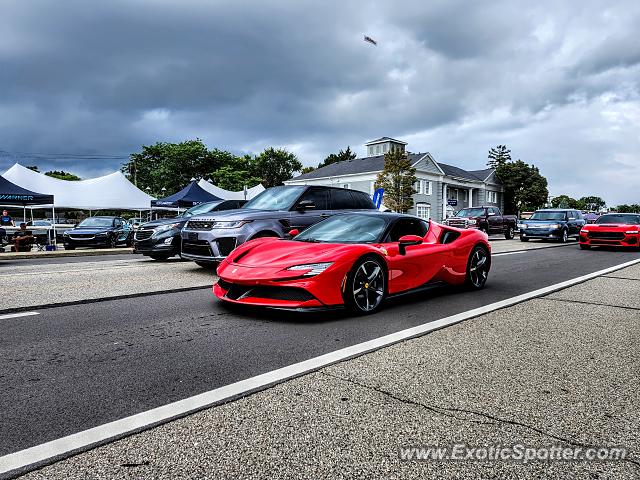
(293, 232)
(306, 204)
(491, 214)
(407, 241)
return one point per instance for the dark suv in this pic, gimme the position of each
(208, 239)
(160, 239)
(552, 224)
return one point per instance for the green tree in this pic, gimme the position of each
(307, 170)
(592, 203)
(341, 156)
(524, 187)
(564, 201)
(398, 179)
(236, 174)
(274, 166)
(172, 165)
(34, 168)
(498, 156)
(62, 175)
(624, 208)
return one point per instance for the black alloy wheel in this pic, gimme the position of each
(478, 267)
(366, 286)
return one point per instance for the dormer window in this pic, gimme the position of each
(384, 145)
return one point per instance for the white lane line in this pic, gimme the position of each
(17, 315)
(511, 253)
(83, 440)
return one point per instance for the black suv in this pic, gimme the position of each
(160, 239)
(207, 239)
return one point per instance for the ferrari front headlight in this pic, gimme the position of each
(313, 268)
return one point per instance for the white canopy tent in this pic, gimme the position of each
(109, 192)
(229, 195)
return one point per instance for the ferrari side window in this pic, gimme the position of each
(407, 226)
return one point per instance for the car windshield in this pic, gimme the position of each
(470, 212)
(345, 229)
(625, 219)
(548, 216)
(96, 222)
(276, 198)
(199, 209)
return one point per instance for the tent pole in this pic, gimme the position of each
(55, 239)
(31, 208)
(24, 213)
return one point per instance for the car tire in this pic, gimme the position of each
(69, 247)
(524, 239)
(365, 286)
(483, 229)
(565, 237)
(129, 242)
(160, 258)
(509, 234)
(478, 266)
(585, 247)
(112, 243)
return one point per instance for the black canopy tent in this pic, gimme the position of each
(11, 194)
(189, 196)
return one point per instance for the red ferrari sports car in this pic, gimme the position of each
(354, 260)
(612, 229)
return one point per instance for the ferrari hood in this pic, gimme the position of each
(286, 253)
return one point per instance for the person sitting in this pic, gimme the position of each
(23, 239)
(6, 220)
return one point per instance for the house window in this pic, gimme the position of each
(465, 195)
(423, 210)
(492, 197)
(453, 194)
(423, 187)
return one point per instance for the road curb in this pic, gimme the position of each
(103, 299)
(64, 253)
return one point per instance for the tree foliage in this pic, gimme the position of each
(625, 208)
(341, 156)
(498, 156)
(591, 203)
(524, 187)
(398, 179)
(173, 165)
(274, 166)
(62, 175)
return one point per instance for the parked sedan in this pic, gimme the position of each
(160, 239)
(614, 229)
(552, 224)
(99, 232)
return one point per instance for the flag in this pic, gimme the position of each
(370, 40)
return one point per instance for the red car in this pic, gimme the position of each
(612, 229)
(354, 260)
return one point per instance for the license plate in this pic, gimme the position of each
(192, 236)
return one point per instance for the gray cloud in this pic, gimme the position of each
(558, 83)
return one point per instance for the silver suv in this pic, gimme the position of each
(208, 239)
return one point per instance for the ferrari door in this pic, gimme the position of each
(420, 264)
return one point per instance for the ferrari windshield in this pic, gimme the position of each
(96, 222)
(546, 216)
(620, 218)
(351, 228)
(470, 212)
(276, 198)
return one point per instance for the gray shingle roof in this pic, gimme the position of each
(376, 164)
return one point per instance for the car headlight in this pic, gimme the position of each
(230, 224)
(314, 268)
(102, 234)
(522, 225)
(164, 228)
(554, 226)
(632, 231)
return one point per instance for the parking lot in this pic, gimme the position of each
(124, 335)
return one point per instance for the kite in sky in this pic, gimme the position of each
(370, 40)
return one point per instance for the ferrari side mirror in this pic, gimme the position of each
(293, 232)
(407, 241)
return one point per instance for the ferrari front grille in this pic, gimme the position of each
(236, 292)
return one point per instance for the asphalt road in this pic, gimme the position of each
(6, 261)
(72, 368)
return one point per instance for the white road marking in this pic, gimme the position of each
(17, 315)
(512, 253)
(83, 440)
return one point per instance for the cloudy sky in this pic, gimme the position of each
(555, 81)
